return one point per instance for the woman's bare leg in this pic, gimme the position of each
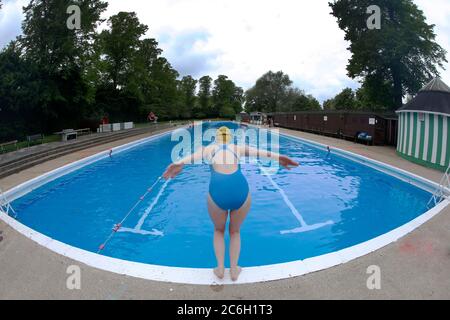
(237, 217)
(219, 219)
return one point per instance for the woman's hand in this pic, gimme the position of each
(173, 170)
(287, 162)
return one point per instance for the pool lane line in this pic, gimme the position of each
(304, 227)
(118, 226)
(138, 228)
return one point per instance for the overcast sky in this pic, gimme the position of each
(243, 39)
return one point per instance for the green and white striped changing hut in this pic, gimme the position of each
(424, 127)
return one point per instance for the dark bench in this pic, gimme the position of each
(35, 137)
(364, 137)
(6, 144)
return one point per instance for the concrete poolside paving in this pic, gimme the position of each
(415, 267)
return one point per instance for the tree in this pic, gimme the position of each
(227, 98)
(204, 97)
(305, 103)
(154, 81)
(164, 97)
(345, 100)
(55, 77)
(403, 54)
(58, 55)
(120, 44)
(274, 92)
(19, 87)
(375, 94)
(187, 88)
(269, 92)
(49, 43)
(328, 105)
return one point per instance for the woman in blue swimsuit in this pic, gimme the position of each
(228, 192)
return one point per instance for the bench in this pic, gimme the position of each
(68, 134)
(6, 144)
(35, 137)
(364, 137)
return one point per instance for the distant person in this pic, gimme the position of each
(228, 191)
(152, 117)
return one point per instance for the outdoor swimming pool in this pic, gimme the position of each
(327, 204)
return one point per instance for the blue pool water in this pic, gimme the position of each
(80, 208)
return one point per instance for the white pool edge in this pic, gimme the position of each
(199, 276)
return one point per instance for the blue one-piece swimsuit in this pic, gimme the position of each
(228, 191)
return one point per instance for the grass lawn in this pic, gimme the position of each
(24, 144)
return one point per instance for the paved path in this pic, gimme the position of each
(415, 267)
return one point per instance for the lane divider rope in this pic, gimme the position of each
(117, 226)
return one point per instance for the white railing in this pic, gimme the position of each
(442, 191)
(5, 205)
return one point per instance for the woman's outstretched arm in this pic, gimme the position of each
(175, 168)
(285, 161)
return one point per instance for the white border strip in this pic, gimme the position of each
(205, 276)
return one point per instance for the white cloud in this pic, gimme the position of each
(10, 20)
(245, 38)
(252, 37)
(438, 13)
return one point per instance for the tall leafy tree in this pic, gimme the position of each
(187, 89)
(328, 105)
(58, 55)
(375, 94)
(204, 97)
(274, 92)
(19, 105)
(303, 102)
(164, 99)
(269, 92)
(154, 81)
(345, 100)
(402, 54)
(120, 44)
(49, 43)
(227, 97)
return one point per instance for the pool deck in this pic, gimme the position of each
(415, 267)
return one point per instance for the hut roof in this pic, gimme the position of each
(433, 98)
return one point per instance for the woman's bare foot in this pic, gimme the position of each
(219, 272)
(235, 272)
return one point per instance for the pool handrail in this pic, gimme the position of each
(442, 190)
(5, 204)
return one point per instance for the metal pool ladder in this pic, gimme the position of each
(5, 205)
(442, 191)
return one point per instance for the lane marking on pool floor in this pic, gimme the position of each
(304, 227)
(138, 228)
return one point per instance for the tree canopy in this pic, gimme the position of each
(54, 77)
(397, 59)
(274, 92)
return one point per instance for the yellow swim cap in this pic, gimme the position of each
(223, 135)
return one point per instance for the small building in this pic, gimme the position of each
(258, 118)
(424, 122)
(243, 117)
